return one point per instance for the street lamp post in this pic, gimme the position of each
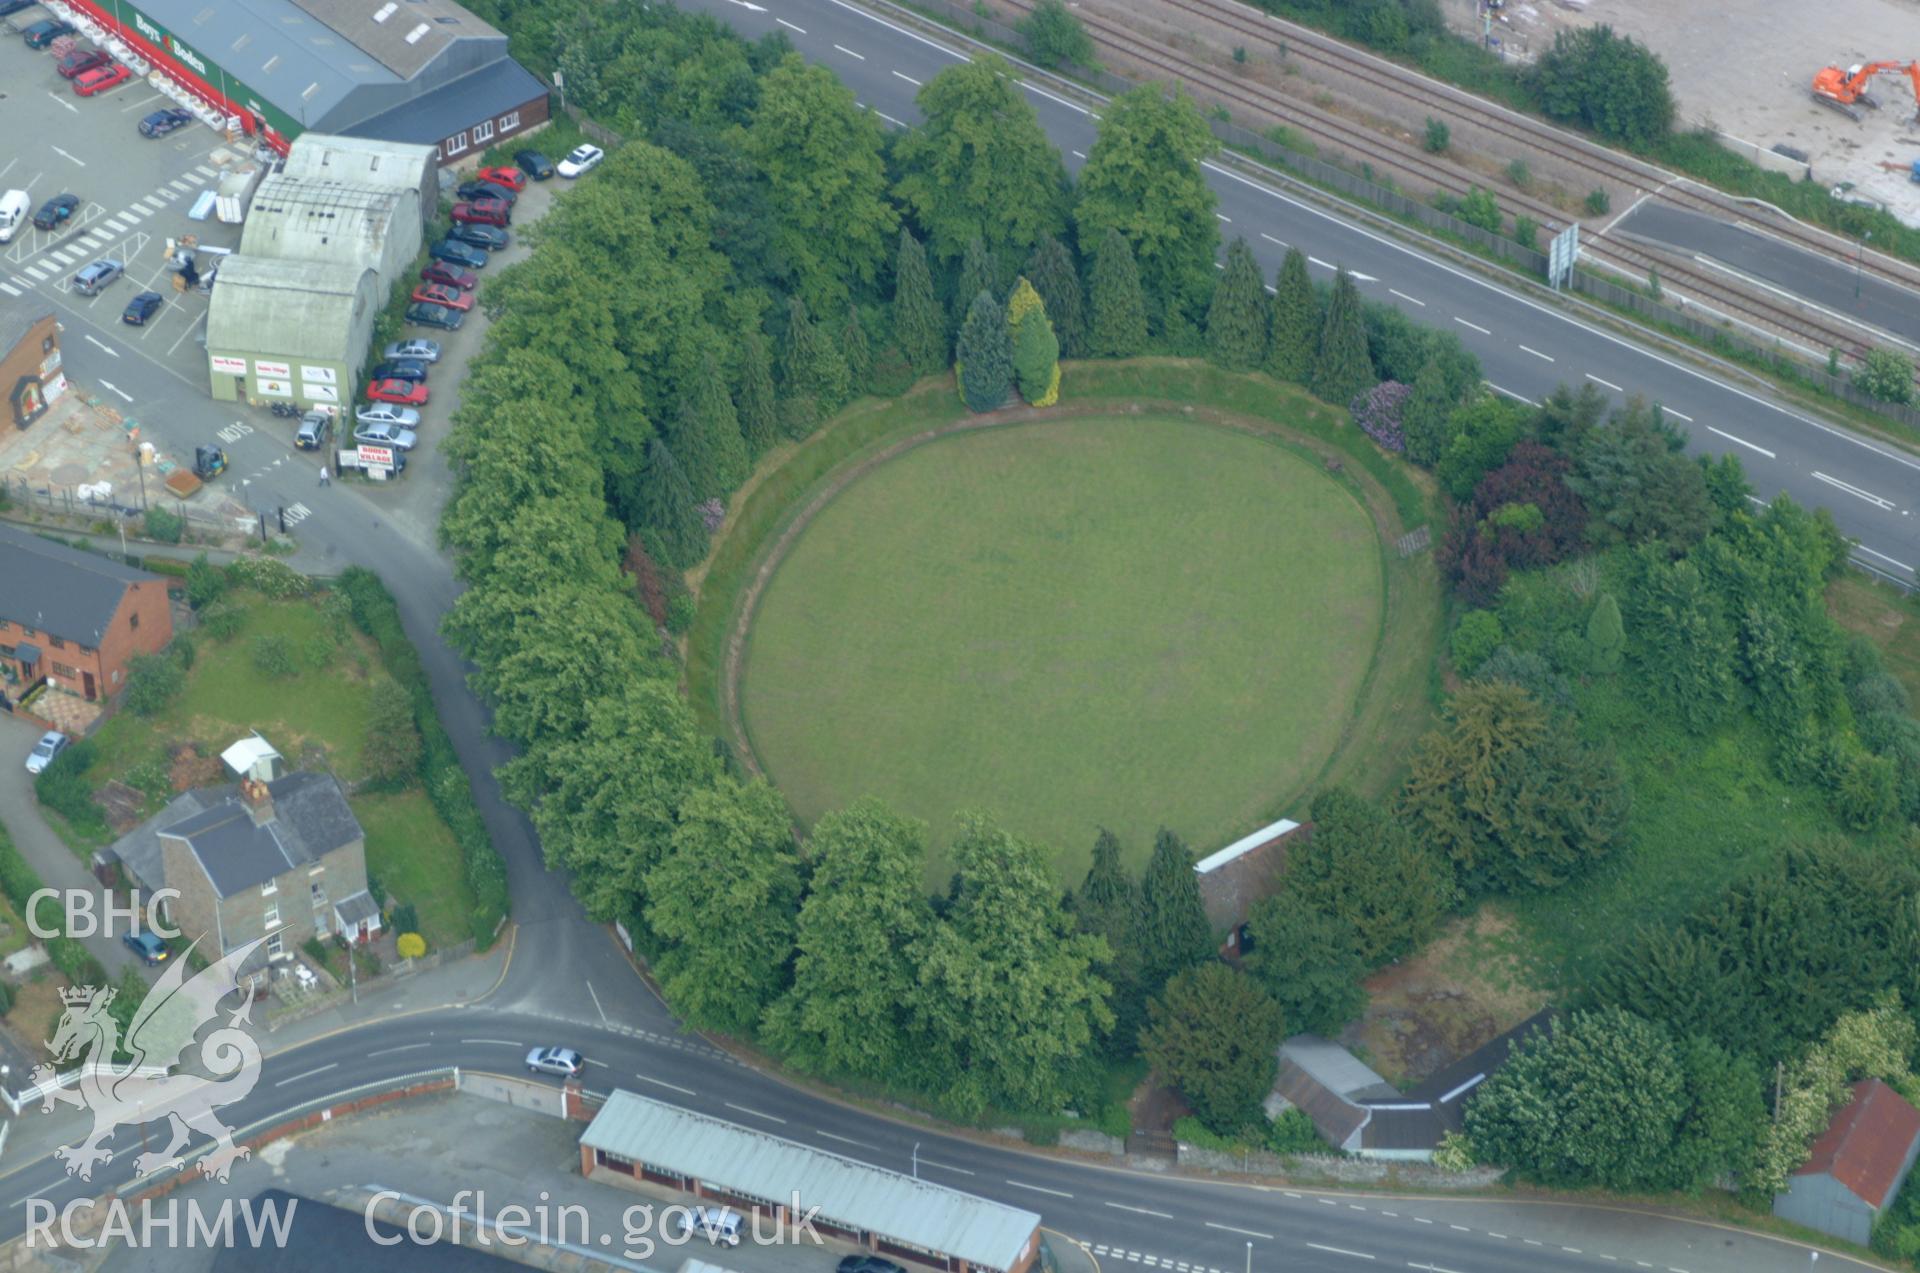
(1249, 1256)
(916, 1160)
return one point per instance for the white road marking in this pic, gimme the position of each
(36, 271)
(928, 1162)
(1314, 260)
(596, 1004)
(1421, 1220)
(1461, 1227)
(205, 171)
(850, 53)
(1079, 154)
(671, 1087)
(1251, 1233)
(1854, 491)
(1508, 393)
(8, 290)
(404, 1047)
(1337, 1250)
(64, 102)
(908, 78)
(1057, 100)
(331, 1065)
(1354, 1206)
(1269, 238)
(1121, 1206)
(1742, 441)
(133, 214)
(897, 123)
(1224, 217)
(789, 26)
(109, 348)
(1019, 1184)
(1410, 299)
(1883, 557)
(503, 1043)
(182, 186)
(1492, 1234)
(1536, 353)
(756, 1113)
(1477, 327)
(844, 1140)
(1605, 383)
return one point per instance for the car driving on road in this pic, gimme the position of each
(162, 122)
(51, 744)
(562, 1062)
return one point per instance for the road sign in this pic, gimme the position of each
(376, 455)
(1562, 253)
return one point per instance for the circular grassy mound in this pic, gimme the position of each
(1123, 622)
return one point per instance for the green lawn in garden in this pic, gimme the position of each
(415, 858)
(1128, 621)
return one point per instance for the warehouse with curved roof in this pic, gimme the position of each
(280, 329)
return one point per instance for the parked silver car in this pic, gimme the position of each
(92, 278)
(51, 744)
(419, 349)
(388, 414)
(384, 435)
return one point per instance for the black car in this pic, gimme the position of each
(458, 253)
(160, 123)
(56, 212)
(534, 164)
(399, 369)
(41, 34)
(866, 1264)
(486, 190)
(10, 7)
(434, 316)
(315, 428)
(480, 236)
(141, 308)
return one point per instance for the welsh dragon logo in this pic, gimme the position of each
(162, 1034)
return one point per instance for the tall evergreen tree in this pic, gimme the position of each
(979, 272)
(1174, 933)
(692, 445)
(813, 368)
(719, 427)
(1119, 325)
(1036, 350)
(1108, 905)
(1342, 368)
(918, 325)
(984, 356)
(1606, 636)
(754, 400)
(856, 351)
(1296, 321)
(1237, 319)
(667, 506)
(1054, 275)
(1427, 417)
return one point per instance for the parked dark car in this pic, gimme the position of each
(399, 369)
(162, 122)
(315, 428)
(56, 212)
(486, 190)
(433, 316)
(449, 276)
(534, 164)
(141, 308)
(480, 236)
(455, 252)
(10, 7)
(80, 60)
(867, 1264)
(151, 949)
(41, 34)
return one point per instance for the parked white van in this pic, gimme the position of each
(14, 209)
(718, 1225)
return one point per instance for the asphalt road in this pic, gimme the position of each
(1749, 251)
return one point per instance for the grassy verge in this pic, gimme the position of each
(415, 858)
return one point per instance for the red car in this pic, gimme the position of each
(441, 294)
(80, 60)
(482, 212)
(450, 276)
(511, 178)
(100, 79)
(405, 393)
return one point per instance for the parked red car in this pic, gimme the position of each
(449, 275)
(404, 393)
(482, 212)
(511, 178)
(441, 294)
(80, 60)
(100, 79)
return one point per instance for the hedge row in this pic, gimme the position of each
(375, 614)
(19, 882)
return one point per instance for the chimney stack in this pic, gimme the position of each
(259, 802)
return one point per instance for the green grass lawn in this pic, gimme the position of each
(1123, 621)
(417, 860)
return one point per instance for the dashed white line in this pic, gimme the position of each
(756, 1113)
(404, 1047)
(8, 290)
(205, 171)
(1883, 557)
(1326, 1202)
(1492, 1234)
(928, 1162)
(1224, 217)
(844, 1140)
(671, 1087)
(1531, 1242)
(1021, 1184)
(1411, 300)
(850, 53)
(1477, 327)
(1854, 491)
(897, 123)
(908, 78)
(1743, 442)
(1339, 1250)
(1314, 260)
(789, 26)
(1461, 1227)
(1536, 353)
(1571, 1250)
(1079, 154)
(63, 102)
(504, 1043)
(1121, 1206)
(1269, 238)
(1250, 1233)
(1354, 1206)
(39, 274)
(1421, 1220)
(1037, 91)
(1678, 415)
(331, 1065)
(1605, 383)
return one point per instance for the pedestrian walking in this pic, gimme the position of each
(324, 479)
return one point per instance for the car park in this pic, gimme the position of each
(151, 950)
(81, 60)
(492, 238)
(162, 122)
(396, 436)
(141, 308)
(440, 294)
(485, 190)
(449, 275)
(56, 212)
(93, 278)
(386, 413)
(41, 34)
(51, 744)
(101, 78)
(433, 316)
(581, 159)
(453, 252)
(407, 393)
(562, 1062)
(315, 428)
(482, 212)
(419, 349)
(511, 178)
(399, 369)
(534, 164)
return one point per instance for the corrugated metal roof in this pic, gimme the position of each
(1245, 844)
(267, 306)
(294, 60)
(743, 1161)
(401, 37)
(318, 219)
(1866, 1145)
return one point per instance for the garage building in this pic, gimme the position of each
(421, 71)
(290, 330)
(298, 219)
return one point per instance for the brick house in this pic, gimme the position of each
(73, 619)
(284, 859)
(30, 373)
(1855, 1168)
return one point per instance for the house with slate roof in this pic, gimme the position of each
(72, 619)
(1856, 1166)
(285, 860)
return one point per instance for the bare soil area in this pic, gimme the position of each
(1472, 983)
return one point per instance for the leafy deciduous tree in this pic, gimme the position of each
(1213, 1033)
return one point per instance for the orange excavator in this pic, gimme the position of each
(1846, 91)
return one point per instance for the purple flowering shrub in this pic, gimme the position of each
(712, 513)
(1378, 411)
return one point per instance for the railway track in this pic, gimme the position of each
(1600, 162)
(1403, 161)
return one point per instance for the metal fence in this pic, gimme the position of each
(69, 501)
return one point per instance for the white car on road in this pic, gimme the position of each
(580, 159)
(51, 744)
